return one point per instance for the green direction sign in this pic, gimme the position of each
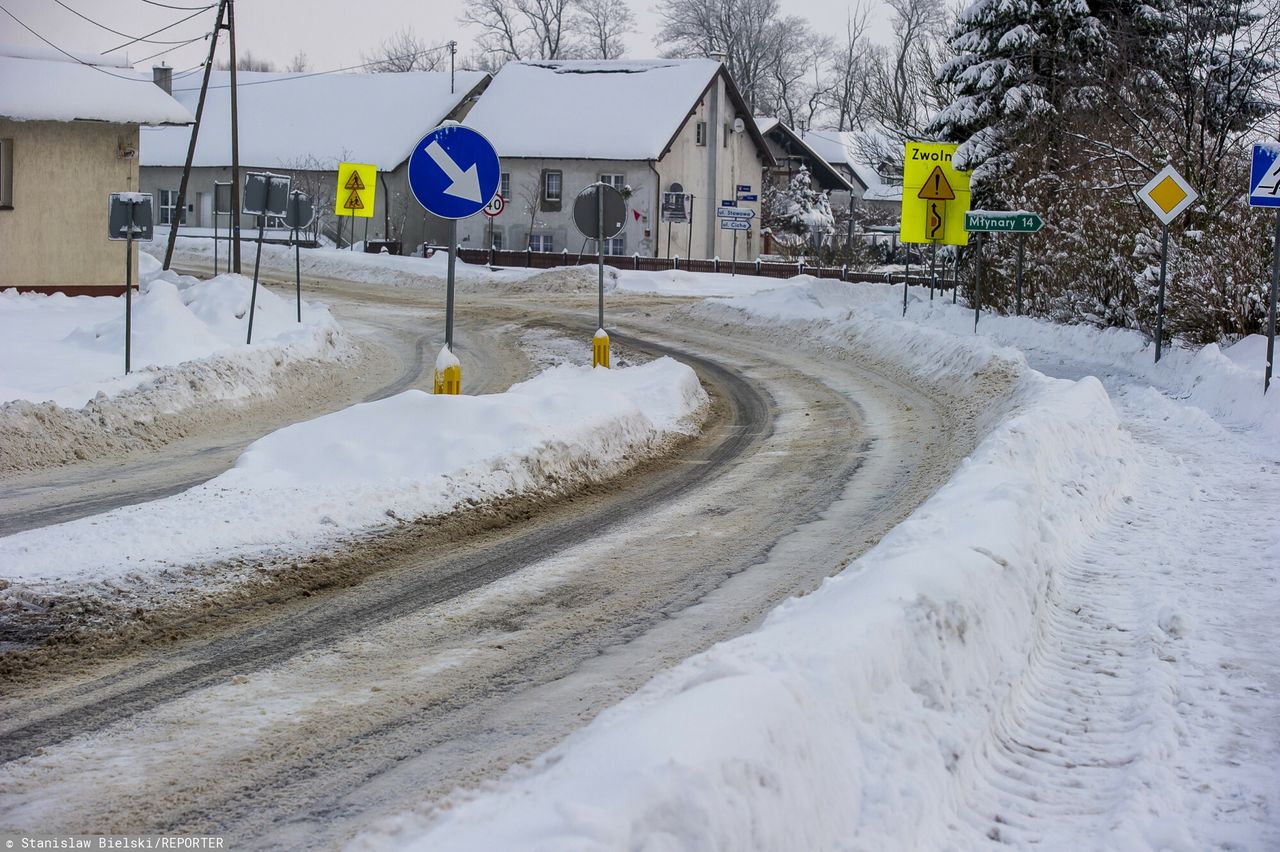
(1007, 221)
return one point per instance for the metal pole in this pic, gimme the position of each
(1022, 246)
(128, 290)
(733, 267)
(448, 304)
(668, 239)
(600, 248)
(1164, 256)
(235, 144)
(955, 276)
(297, 270)
(366, 234)
(253, 294)
(1271, 314)
(933, 270)
(977, 286)
(906, 280)
(215, 230)
(691, 200)
(191, 151)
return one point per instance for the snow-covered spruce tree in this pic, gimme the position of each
(798, 215)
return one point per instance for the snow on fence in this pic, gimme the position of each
(530, 259)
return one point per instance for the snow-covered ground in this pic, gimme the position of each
(72, 400)
(1071, 645)
(72, 348)
(366, 468)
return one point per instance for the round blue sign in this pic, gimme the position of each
(454, 172)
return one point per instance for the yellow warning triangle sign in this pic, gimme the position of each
(936, 187)
(354, 202)
(354, 182)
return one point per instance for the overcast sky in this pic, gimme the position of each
(333, 33)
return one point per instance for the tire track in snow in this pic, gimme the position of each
(1059, 758)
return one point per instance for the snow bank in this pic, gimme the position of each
(72, 348)
(367, 467)
(840, 723)
(72, 401)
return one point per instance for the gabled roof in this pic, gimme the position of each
(288, 119)
(789, 141)
(43, 85)
(621, 109)
(840, 149)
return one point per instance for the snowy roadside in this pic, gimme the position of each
(1071, 644)
(322, 483)
(72, 400)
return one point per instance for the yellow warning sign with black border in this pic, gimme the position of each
(935, 196)
(357, 190)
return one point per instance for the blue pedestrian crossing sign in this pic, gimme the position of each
(454, 172)
(1264, 177)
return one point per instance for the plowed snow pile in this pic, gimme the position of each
(321, 482)
(1022, 663)
(72, 399)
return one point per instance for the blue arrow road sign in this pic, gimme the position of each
(1264, 177)
(454, 172)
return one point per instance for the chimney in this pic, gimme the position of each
(719, 56)
(162, 76)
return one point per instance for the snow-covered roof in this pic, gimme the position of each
(840, 148)
(828, 178)
(590, 109)
(42, 85)
(287, 119)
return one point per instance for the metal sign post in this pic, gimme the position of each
(600, 213)
(1167, 195)
(1017, 222)
(301, 212)
(1264, 191)
(264, 194)
(933, 270)
(129, 215)
(453, 173)
(977, 284)
(906, 281)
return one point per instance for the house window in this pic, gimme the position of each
(496, 242)
(168, 205)
(540, 242)
(504, 186)
(6, 174)
(700, 133)
(616, 246)
(615, 181)
(551, 186)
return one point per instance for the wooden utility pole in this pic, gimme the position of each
(235, 144)
(191, 146)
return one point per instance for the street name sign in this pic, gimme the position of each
(454, 172)
(1168, 194)
(1002, 221)
(735, 213)
(1264, 176)
(357, 190)
(748, 198)
(735, 224)
(935, 196)
(728, 202)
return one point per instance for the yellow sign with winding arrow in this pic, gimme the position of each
(935, 196)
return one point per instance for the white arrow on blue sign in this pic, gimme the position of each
(1264, 177)
(454, 172)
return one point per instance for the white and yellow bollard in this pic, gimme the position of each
(600, 349)
(448, 374)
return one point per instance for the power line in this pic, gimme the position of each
(291, 77)
(179, 8)
(70, 56)
(162, 29)
(172, 49)
(83, 16)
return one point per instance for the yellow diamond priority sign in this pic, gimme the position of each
(1168, 194)
(357, 188)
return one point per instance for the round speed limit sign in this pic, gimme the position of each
(495, 206)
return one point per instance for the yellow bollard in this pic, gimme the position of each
(448, 373)
(600, 349)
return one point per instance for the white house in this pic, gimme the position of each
(68, 138)
(870, 189)
(304, 125)
(644, 126)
